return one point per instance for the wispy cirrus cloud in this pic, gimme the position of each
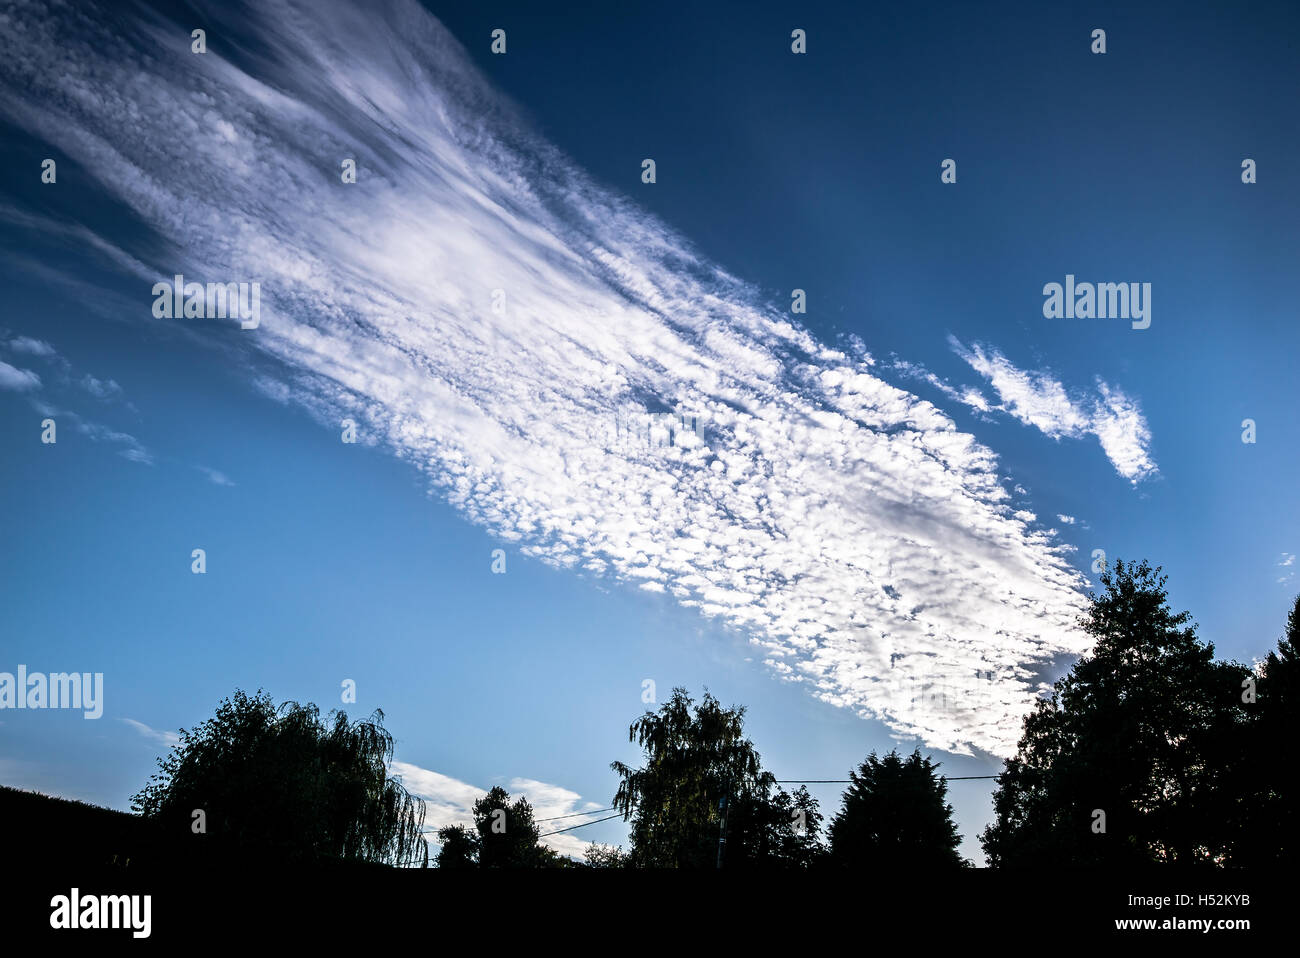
(865, 544)
(215, 476)
(127, 445)
(100, 388)
(159, 737)
(26, 381)
(967, 396)
(33, 347)
(106, 390)
(18, 380)
(1038, 399)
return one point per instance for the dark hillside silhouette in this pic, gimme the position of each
(40, 827)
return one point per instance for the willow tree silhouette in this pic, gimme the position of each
(1139, 754)
(283, 783)
(894, 816)
(703, 799)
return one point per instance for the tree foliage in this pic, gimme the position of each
(1270, 810)
(459, 847)
(894, 816)
(597, 855)
(774, 829)
(504, 836)
(700, 774)
(285, 783)
(1148, 731)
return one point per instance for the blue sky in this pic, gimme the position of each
(878, 501)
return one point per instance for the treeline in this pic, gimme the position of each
(703, 800)
(1149, 750)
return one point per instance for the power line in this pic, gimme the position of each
(591, 811)
(779, 781)
(782, 781)
(580, 825)
(547, 834)
(846, 781)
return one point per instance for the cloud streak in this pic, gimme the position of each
(164, 738)
(1038, 399)
(18, 380)
(863, 542)
(25, 381)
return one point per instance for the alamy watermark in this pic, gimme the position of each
(75, 911)
(1098, 301)
(179, 299)
(633, 428)
(57, 690)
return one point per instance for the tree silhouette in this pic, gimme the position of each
(1136, 755)
(504, 836)
(894, 816)
(459, 847)
(703, 782)
(606, 856)
(780, 830)
(1270, 812)
(283, 783)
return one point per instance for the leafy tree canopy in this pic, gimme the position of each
(702, 780)
(1137, 754)
(286, 783)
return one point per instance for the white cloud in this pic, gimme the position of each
(1119, 424)
(1068, 520)
(100, 388)
(967, 395)
(24, 380)
(18, 380)
(26, 345)
(33, 347)
(164, 738)
(1034, 398)
(1038, 399)
(128, 446)
(864, 543)
(215, 477)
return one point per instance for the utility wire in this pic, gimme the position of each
(592, 811)
(780, 781)
(846, 781)
(580, 825)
